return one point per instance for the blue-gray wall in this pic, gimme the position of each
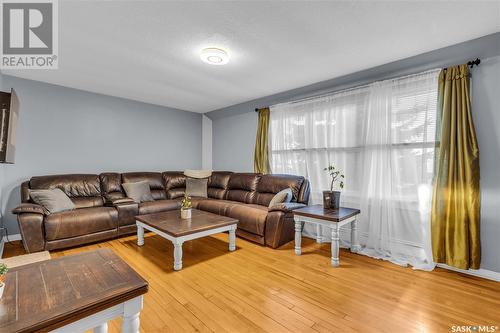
(234, 127)
(486, 113)
(63, 130)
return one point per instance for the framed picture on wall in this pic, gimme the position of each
(8, 123)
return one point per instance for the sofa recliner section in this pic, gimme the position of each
(103, 211)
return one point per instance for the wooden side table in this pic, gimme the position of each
(330, 218)
(72, 294)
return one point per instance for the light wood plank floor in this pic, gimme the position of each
(257, 289)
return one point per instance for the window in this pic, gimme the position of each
(383, 138)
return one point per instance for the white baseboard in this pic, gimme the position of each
(482, 273)
(14, 237)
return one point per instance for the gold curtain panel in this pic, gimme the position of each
(261, 156)
(456, 198)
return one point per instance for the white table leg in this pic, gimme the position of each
(103, 328)
(298, 237)
(319, 238)
(140, 235)
(335, 245)
(355, 247)
(232, 238)
(131, 311)
(178, 255)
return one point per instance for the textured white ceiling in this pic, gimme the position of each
(149, 51)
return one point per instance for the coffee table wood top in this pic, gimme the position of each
(332, 215)
(172, 224)
(49, 294)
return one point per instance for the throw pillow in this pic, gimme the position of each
(53, 201)
(281, 197)
(198, 173)
(139, 191)
(196, 187)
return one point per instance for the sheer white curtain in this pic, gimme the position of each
(383, 138)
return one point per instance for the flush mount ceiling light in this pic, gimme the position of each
(214, 56)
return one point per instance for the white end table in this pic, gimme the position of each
(330, 218)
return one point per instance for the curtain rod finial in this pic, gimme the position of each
(474, 62)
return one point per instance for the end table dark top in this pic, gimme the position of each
(50, 294)
(333, 215)
(171, 223)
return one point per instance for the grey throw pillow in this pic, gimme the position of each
(53, 201)
(281, 197)
(139, 191)
(196, 187)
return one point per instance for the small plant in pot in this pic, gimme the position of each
(186, 207)
(3, 271)
(331, 198)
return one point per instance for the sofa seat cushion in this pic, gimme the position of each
(157, 206)
(195, 201)
(216, 206)
(80, 222)
(252, 217)
(260, 207)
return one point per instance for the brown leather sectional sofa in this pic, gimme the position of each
(103, 211)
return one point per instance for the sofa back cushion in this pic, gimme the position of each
(242, 186)
(154, 180)
(218, 183)
(25, 192)
(175, 184)
(111, 186)
(269, 185)
(83, 189)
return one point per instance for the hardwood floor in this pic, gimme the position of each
(257, 289)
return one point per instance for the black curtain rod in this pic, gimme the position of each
(471, 63)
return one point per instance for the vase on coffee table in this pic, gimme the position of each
(186, 213)
(186, 206)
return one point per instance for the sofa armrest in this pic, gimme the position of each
(119, 201)
(32, 231)
(128, 209)
(286, 207)
(280, 228)
(28, 208)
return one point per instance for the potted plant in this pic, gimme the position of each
(3, 271)
(186, 207)
(331, 198)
